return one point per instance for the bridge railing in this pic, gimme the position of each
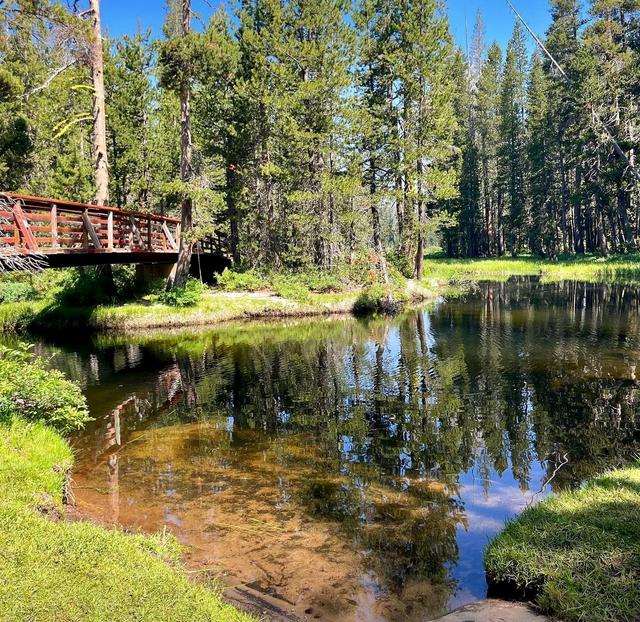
(50, 226)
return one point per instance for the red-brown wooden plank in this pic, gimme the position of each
(23, 226)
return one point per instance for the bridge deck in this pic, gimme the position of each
(71, 233)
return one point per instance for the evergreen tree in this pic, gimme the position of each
(544, 223)
(470, 217)
(130, 106)
(512, 156)
(489, 123)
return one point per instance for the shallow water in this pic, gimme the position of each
(357, 468)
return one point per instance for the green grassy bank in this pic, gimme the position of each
(577, 554)
(67, 299)
(590, 268)
(53, 570)
(213, 307)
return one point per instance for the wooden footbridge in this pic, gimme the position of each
(66, 233)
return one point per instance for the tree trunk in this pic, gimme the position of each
(232, 210)
(421, 214)
(101, 170)
(578, 236)
(99, 146)
(601, 238)
(626, 233)
(375, 224)
(186, 156)
(420, 245)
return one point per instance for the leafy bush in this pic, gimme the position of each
(376, 298)
(124, 282)
(287, 287)
(399, 262)
(31, 391)
(321, 282)
(249, 281)
(189, 295)
(17, 291)
(87, 288)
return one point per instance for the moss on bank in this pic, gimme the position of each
(577, 553)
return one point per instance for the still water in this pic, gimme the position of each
(357, 468)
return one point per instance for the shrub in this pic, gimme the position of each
(289, 287)
(189, 295)
(321, 282)
(249, 281)
(401, 263)
(376, 298)
(17, 291)
(31, 391)
(124, 282)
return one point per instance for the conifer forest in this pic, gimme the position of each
(315, 131)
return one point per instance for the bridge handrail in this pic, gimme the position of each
(51, 226)
(45, 204)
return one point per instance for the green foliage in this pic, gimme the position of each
(189, 295)
(244, 281)
(577, 553)
(378, 299)
(91, 287)
(17, 291)
(31, 391)
(290, 288)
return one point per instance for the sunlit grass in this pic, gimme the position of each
(79, 572)
(577, 553)
(591, 268)
(214, 307)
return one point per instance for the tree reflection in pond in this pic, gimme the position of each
(357, 468)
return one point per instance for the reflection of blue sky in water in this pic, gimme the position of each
(486, 514)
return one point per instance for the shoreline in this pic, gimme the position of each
(443, 277)
(215, 309)
(255, 601)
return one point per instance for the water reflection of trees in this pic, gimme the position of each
(394, 411)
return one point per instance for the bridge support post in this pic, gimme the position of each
(147, 273)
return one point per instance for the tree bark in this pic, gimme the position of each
(421, 215)
(99, 146)
(186, 164)
(375, 223)
(101, 170)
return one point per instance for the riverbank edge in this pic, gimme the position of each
(74, 571)
(215, 308)
(444, 278)
(576, 554)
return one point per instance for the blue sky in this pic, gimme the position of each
(123, 16)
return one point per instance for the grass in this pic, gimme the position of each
(55, 571)
(591, 268)
(213, 308)
(249, 295)
(577, 553)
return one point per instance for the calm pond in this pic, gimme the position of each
(357, 468)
